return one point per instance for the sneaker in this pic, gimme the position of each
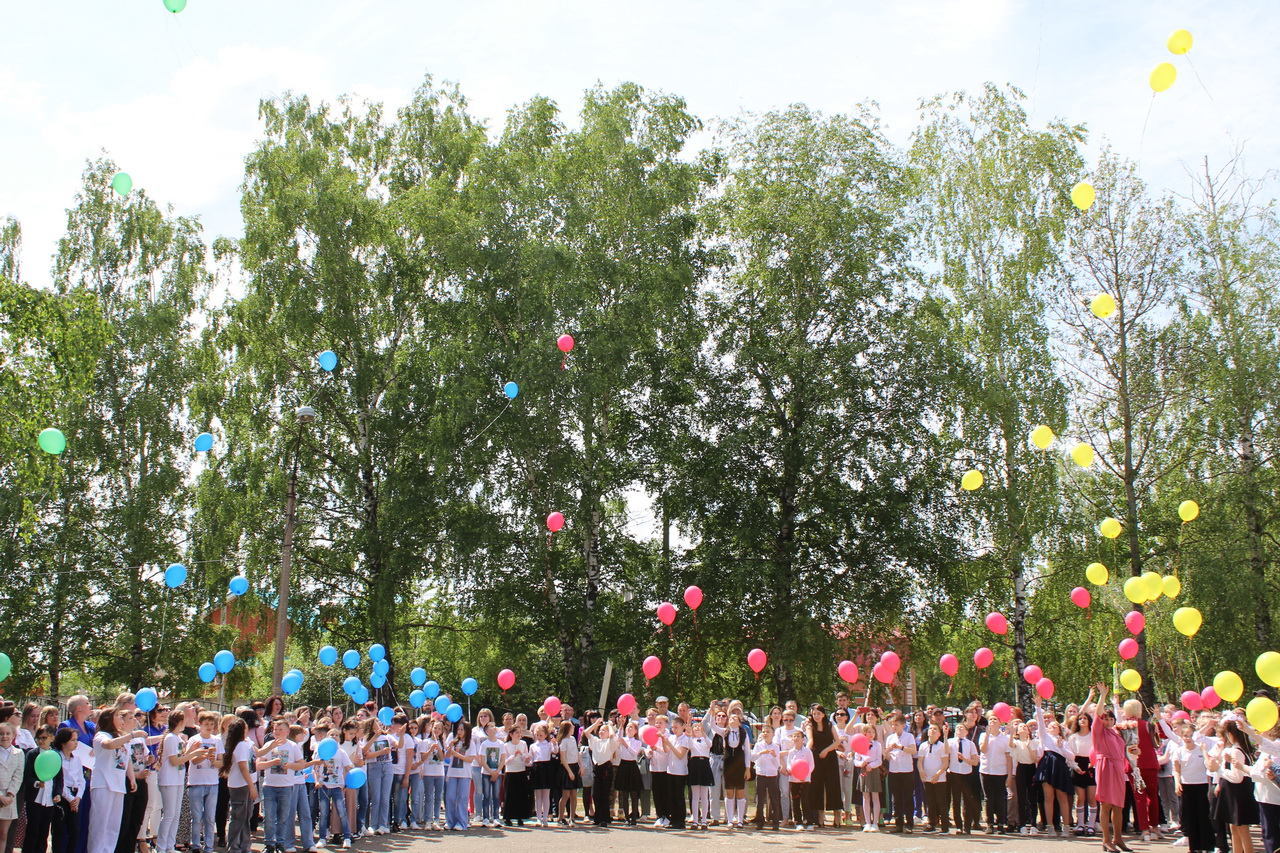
(346, 844)
(1031, 830)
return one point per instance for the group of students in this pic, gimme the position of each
(135, 782)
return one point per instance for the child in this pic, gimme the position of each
(514, 764)
(628, 780)
(378, 763)
(870, 770)
(900, 746)
(540, 754)
(964, 757)
(676, 745)
(933, 761)
(799, 786)
(39, 796)
(400, 755)
(203, 754)
(489, 760)
(417, 804)
(301, 800)
(658, 758)
(69, 793)
(279, 757)
(701, 780)
(431, 765)
(737, 746)
(112, 778)
(242, 792)
(170, 779)
(349, 742)
(766, 757)
(330, 795)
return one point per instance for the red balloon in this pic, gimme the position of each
(949, 665)
(997, 624)
(800, 770)
(651, 666)
(1032, 674)
(693, 597)
(1128, 648)
(506, 679)
(882, 673)
(983, 657)
(565, 343)
(891, 660)
(1181, 715)
(1135, 622)
(1209, 698)
(1080, 597)
(626, 704)
(551, 706)
(1045, 688)
(861, 744)
(649, 735)
(1002, 711)
(666, 613)
(555, 521)
(848, 670)
(1191, 700)
(757, 659)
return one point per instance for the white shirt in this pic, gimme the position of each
(994, 759)
(204, 771)
(1024, 751)
(333, 773)
(24, 739)
(1190, 763)
(1264, 790)
(431, 756)
(766, 756)
(170, 773)
(72, 778)
(933, 757)
(108, 766)
(276, 776)
(489, 753)
(540, 750)
(900, 761)
(873, 759)
(243, 752)
(677, 765)
(602, 749)
(460, 768)
(517, 755)
(961, 747)
(802, 754)
(658, 759)
(629, 748)
(699, 747)
(1050, 743)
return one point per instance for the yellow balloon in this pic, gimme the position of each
(1152, 585)
(1042, 437)
(1130, 680)
(1109, 528)
(971, 480)
(1179, 43)
(1262, 713)
(1187, 620)
(1102, 306)
(1268, 667)
(1096, 573)
(1229, 686)
(1133, 590)
(1082, 454)
(1172, 586)
(1188, 511)
(1082, 195)
(1162, 76)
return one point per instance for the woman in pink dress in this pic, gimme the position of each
(1111, 763)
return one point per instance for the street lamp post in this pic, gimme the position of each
(305, 415)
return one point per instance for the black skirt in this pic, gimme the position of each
(567, 782)
(628, 777)
(1082, 776)
(700, 772)
(544, 774)
(735, 771)
(1235, 803)
(1052, 770)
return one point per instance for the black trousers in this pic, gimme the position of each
(936, 802)
(676, 786)
(1197, 826)
(994, 789)
(768, 792)
(802, 810)
(131, 815)
(964, 804)
(658, 784)
(1269, 816)
(1025, 779)
(39, 820)
(224, 807)
(902, 786)
(516, 804)
(601, 791)
(66, 829)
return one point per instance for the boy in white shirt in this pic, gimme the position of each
(901, 748)
(765, 755)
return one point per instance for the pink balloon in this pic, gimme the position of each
(1045, 688)
(891, 660)
(565, 342)
(551, 706)
(1191, 700)
(651, 666)
(693, 597)
(1135, 622)
(861, 744)
(949, 665)
(555, 521)
(1080, 597)
(649, 735)
(983, 657)
(1002, 711)
(997, 624)
(800, 770)
(848, 670)
(757, 659)
(882, 673)
(1032, 674)
(506, 679)
(666, 613)
(1181, 715)
(1128, 648)
(626, 704)
(1209, 697)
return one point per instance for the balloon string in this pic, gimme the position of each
(1226, 128)
(486, 429)
(1143, 138)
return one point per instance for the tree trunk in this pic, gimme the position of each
(1254, 532)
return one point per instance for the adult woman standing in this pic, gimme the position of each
(824, 783)
(78, 709)
(1111, 763)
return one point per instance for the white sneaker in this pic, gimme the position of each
(1031, 830)
(346, 844)
(1181, 842)
(321, 844)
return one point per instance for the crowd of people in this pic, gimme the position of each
(195, 780)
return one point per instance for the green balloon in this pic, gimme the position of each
(48, 763)
(6, 666)
(122, 183)
(52, 441)
(175, 6)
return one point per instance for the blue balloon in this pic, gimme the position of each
(377, 680)
(204, 442)
(175, 575)
(443, 702)
(239, 585)
(377, 652)
(207, 672)
(454, 713)
(356, 778)
(224, 661)
(297, 672)
(470, 686)
(327, 749)
(382, 666)
(431, 689)
(351, 658)
(511, 389)
(328, 655)
(418, 676)
(146, 699)
(386, 715)
(417, 698)
(350, 685)
(361, 695)
(328, 359)
(291, 683)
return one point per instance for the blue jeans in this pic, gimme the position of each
(379, 794)
(204, 808)
(301, 808)
(417, 799)
(399, 800)
(277, 813)
(362, 809)
(456, 794)
(432, 794)
(488, 791)
(335, 796)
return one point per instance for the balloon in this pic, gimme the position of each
(377, 652)
(443, 702)
(651, 666)
(328, 655)
(506, 679)
(848, 671)
(1182, 715)
(757, 659)
(1135, 622)
(971, 480)
(381, 666)
(1191, 700)
(1045, 688)
(146, 699)
(453, 713)
(512, 390)
(1097, 574)
(983, 657)
(1187, 620)
(1179, 43)
(350, 685)
(327, 749)
(1082, 195)
(1152, 585)
(1042, 437)
(1103, 305)
(418, 676)
(351, 658)
(555, 521)
(52, 441)
(1032, 674)
(1261, 713)
(997, 624)
(175, 6)
(800, 769)
(626, 704)
(431, 689)
(386, 715)
(224, 661)
(1128, 648)
(1228, 685)
(1209, 698)
(470, 686)
(649, 735)
(328, 360)
(861, 744)
(692, 597)
(1130, 680)
(882, 673)
(1002, 711)
(1110, 528)
(417, 698)
(122, 183)
(49, 763)
(891, 660)
(1080, 597)
(565, 343)
(666, 613)
(1082, 454)
(204, 442)
(1268, 668)
(1162, 76)
(1172, 586)
(1134, 591)
(949, 665)
(291, 683)
(1189, 511)
(377, 680)
(356, 778)
(552, 705)
(238, 585)
(207, 672)
(175, 576)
